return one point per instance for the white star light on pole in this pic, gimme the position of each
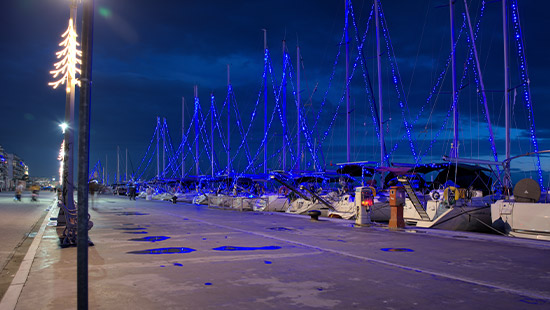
(69, 59)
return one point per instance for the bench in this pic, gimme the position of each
(69, 236)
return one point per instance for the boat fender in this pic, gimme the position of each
(283, 190)
(462, 193)
(453, 197)
(373, 190)
(469, 194)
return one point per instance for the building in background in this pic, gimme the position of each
(12, 170)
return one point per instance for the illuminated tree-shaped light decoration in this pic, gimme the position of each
(61, 157)
(69, 59)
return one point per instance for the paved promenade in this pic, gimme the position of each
(156, 255)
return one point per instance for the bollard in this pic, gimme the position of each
(397, 200)
(314, 215)
(149, 194)
(364, 199)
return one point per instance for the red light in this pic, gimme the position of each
(367, 202)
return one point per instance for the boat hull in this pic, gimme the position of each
(462, 216)
(522, 219)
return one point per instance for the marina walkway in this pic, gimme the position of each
(157, 255)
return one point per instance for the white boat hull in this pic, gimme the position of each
(462, 216)
(522, 219)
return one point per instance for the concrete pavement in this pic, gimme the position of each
(156, 255)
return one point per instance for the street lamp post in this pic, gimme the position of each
(84, 154)
(65, 71)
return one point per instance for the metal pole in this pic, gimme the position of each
(454, 148)
(265, 99)
(197, 134)
(481, 84)
(229, 120)
(126, 172)
(506, 89)
(84, 153)
(212, 133)
(68, 160)
(379, 68)
(347, 85)
(158, 141)
(118, 164)
(182, 136)
(298, 118)
(283, 94)
(163, 145)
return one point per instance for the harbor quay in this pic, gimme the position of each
(159, 255)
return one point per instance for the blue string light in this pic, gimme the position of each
(525, 85)
(397, 84)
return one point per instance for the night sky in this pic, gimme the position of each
(147, 55)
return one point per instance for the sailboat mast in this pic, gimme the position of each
(196, 92)
(126, 172)
(158, 141)
(454, 147)
(118, 164)
(379, 68)
(182, 136)
(298, 107)
(229, 120)
(481, 84)
(347, 83)
(212, 133)
(506, 86)
(163, 145)
(265, 99)
(283, 94)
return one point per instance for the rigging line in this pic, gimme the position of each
(436, 89)
(213, 115)
(479, 83)
(169, 148)
(186, 141)
(145, 169)
(267, 67)
(526, 96)
(454, 102)
(204, 133)
(366, 77)
(171, 156)
(264, 138)
(303, 122)
(398, 84)
(343, 96)
(331, 78)
(148, 148)
(241, 131)
(339, 103)
(418, 52)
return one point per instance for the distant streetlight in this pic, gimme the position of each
(63, 126)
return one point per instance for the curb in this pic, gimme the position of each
(9, 301)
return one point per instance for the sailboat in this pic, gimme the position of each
(461, 204)
(455, 201)
(525, 213)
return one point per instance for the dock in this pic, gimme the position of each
(159, 255)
